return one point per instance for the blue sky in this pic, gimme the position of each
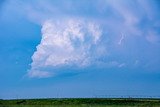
(82, 48)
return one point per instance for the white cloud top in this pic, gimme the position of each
(69, 42)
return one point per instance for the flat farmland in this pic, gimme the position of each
(81, 102)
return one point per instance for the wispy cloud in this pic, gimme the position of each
(153, 37)
(121, 39)
(39, 74)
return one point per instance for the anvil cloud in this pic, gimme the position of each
(115, 35)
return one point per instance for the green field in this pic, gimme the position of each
(81, 102)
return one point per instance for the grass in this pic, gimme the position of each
(81, 102)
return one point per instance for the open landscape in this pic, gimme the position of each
(82, 102)
(79, 53)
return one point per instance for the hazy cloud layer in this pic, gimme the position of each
(102, 33)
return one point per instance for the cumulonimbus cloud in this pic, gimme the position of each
(112, 35)
(68, 42)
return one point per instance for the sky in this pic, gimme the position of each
(79, 48)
